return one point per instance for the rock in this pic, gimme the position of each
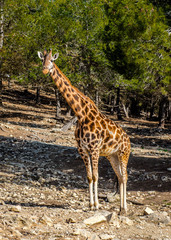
(81, 232)
(113, 219)
(93, 237)
(112, 197)
(112, 216)
(107, 237)
(165, 179)
(98, 218)
(70, 220)
(58, 226)
(148, 211)
(126, 220)
(46, 220)
(15, 208)
(160, 217)
(84, 233)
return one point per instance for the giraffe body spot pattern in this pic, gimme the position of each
(96, 135)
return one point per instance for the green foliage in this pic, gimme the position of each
(102, 44)
(136, 42)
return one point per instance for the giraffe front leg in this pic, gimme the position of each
(91, 194)
(86, 158)
(95, 159)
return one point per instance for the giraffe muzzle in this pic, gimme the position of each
(45, 71)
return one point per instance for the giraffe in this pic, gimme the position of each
(95, 134)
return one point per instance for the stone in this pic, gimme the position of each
(112, 197)
(15, 208)
(148, 211)
(161, 217)
(70, 220)
(93, 237)
(46, 220)
(82, 233)
(126, 220)
(106, 237)
(98, 218)
(112, 217)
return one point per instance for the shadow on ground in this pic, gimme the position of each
(25, 162)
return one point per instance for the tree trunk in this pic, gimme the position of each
(0, 91)
(169, 110)
(126, 110)
(1, 23)
(162, 111)
(58, 105)
(1, 42)
(118, 105)
(152, 108)
(111, 104)
(37, 95)
(134, 108)
(97, 98)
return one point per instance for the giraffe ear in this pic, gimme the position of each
(55, 56)
(40, 55)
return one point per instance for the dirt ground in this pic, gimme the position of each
(43, 186)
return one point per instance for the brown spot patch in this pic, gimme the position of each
(110, 127)
(60, 84)
(76, 97)
(86, 109)
(91, 116)
(87, 135)
(114, 128)
(93, 136)
(58, 73)
(94, 112)
(56, 79)
(92, 127)
(82, 103)
(104, 147)
(103, 124)
(117, 136)
(86, 128)
(83, 113)
(66, 83)
(110, 143)
(64, 90)
(71, 102)
(106, 139)
(102, 134)
(87, 120)
(78, 108)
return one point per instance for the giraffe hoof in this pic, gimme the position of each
(123, 211)
(91, 207)
(96, 206)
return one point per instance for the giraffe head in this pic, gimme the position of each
(47, 60)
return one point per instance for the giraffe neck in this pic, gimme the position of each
(80, 104)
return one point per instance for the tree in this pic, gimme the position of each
(1, 41)
(136, 43)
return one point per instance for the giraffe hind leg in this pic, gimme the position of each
(121, 172)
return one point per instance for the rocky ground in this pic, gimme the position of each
(43, 187)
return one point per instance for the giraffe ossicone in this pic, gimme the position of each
(95, 133)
